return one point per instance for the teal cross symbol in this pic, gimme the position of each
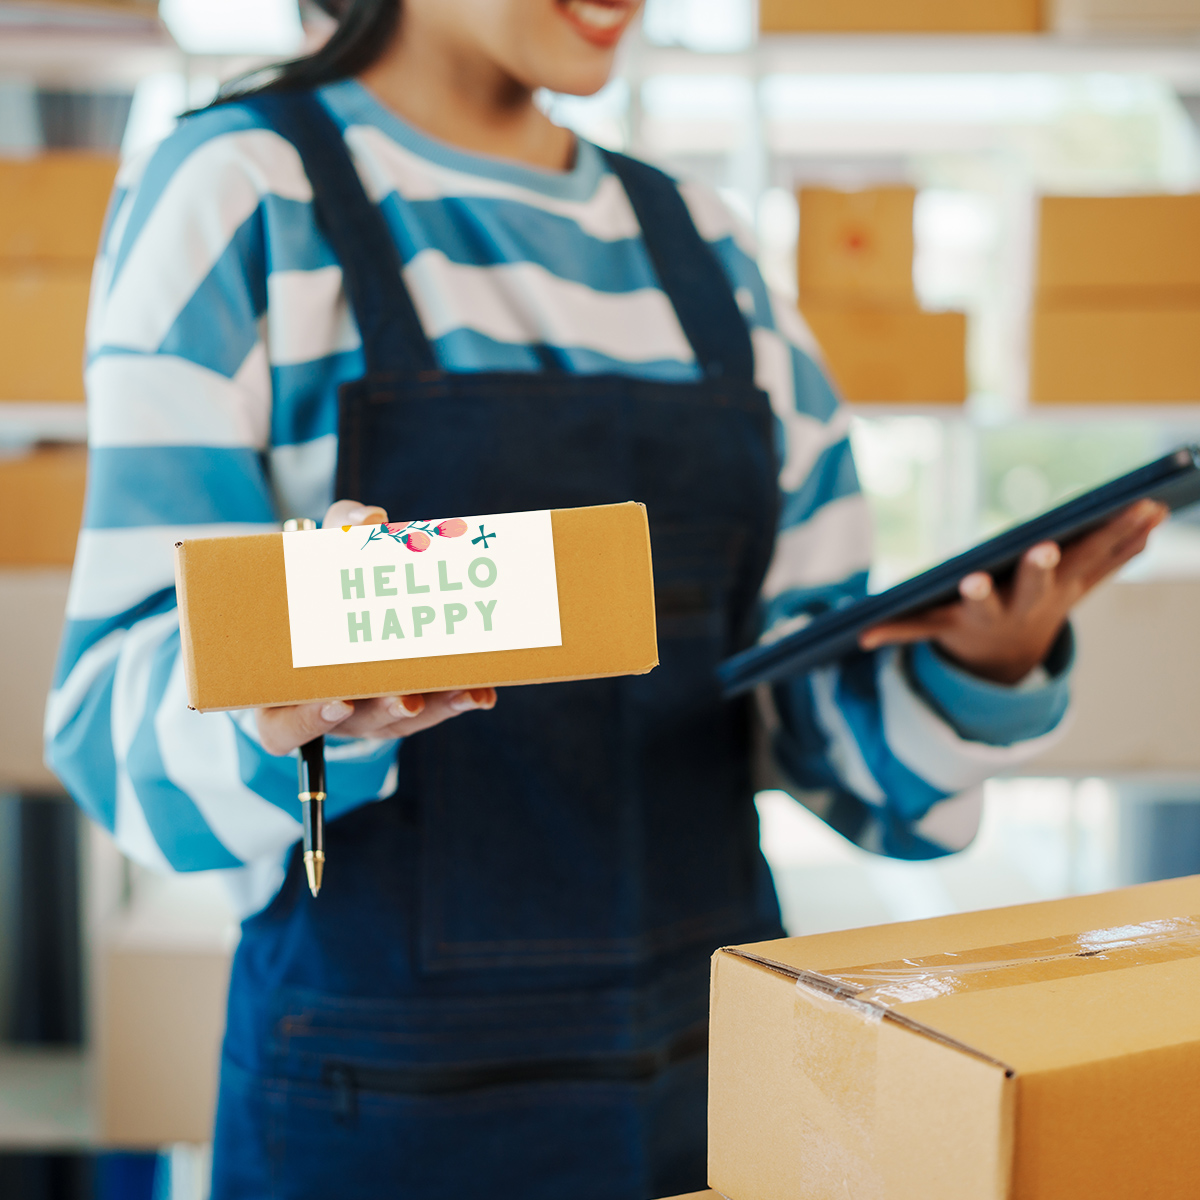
(483, 537)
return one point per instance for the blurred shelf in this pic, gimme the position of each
(80, 46)
(45, 1099)
(21, 424)
(1175, 59)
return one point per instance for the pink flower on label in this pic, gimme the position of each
(397, 526)
(454, 527)
(416, 541)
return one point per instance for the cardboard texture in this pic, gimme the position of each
(48, 482)
(1115, 356)
(857, 247)
(884, 355)
(43, 313)
(901, 16)
(52, 207)
(234, 621)
(1119, 250)
(1043, 1052)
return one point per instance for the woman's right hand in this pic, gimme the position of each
(287, 727)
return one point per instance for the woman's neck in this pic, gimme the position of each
(470, 104)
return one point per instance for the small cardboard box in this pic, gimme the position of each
(857, 247)
(52, 206)
(43, 314)
(1048, 1052)
(42, 491)
(885, 355)
(1114, 355)
(1127, 16)
(900, 16)
(233, 609)
(1119, 250)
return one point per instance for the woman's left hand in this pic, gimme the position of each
(1002, 633)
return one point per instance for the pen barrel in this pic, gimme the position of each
(312, 813)
(311, 787)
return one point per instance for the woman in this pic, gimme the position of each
(502, 987)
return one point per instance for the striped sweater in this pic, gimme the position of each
(218, 336)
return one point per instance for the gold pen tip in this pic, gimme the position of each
(314, 867)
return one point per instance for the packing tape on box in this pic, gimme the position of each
(906, 980)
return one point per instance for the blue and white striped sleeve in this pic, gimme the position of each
(180, 414)
(886, 747)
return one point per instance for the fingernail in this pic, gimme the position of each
(1046, 557)
(976, 587)
(405, 706)
(336, 710)
(356, 516)
(461, 702)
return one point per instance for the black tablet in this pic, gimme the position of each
(1174, 480)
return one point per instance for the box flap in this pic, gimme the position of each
(1013, 984)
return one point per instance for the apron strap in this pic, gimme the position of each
(688, 270)
(392, 335)
(393, 338)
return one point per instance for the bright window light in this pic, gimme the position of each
(234, 26)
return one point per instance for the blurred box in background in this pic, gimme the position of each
(41, 495)
(902, 16)
(857, 247)
(43, 315)
(1127, 16)
(52, 211)
(893, 355)
(856, 293)
(53, 206)
(1117, 305)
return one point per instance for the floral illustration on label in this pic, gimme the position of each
(416, 535)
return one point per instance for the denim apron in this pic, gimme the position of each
(502, 989)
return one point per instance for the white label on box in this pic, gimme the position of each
(367, 593)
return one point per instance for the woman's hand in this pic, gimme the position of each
(282, 730)
(1002, 633)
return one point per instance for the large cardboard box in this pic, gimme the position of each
(857, 247)
(52, 206)
(900, 16)
(1044, 1052)
(1126, 251)
(43, 314)
(237, 653)
(886, 355)
(41, 495)
(1115, 355)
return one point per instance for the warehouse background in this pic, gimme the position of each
(989, 213)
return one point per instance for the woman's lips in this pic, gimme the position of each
(601, 22)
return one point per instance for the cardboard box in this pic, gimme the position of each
(53, 206)
(43, 315)
(1046, 1052)
(236, 644)
(41, 493)
(857, 247)
(896, 355)
(1123, 251)
(900, 16)
(1115, 355)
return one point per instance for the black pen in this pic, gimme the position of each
(312, 780)
(312, 809)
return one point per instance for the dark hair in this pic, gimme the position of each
(364, 29)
